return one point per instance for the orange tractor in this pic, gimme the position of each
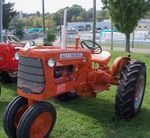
(47, 72)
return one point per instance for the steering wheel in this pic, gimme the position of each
(89, 45)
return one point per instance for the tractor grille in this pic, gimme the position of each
(30, 75)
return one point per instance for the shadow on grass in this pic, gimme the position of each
(103, 112)
(12, 86)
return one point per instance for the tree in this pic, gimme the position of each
(125, 15)
(38, 14)
(49, 22)
(79, 19)
(8, 14)
(18, 26)
(74, 10)
(83, 15)
(37, 21)
(147, 16)
(51, 36)
(57, 17)
(102, 14)
(75, 13)
(90, 14)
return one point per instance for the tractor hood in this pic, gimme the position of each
(55, 52)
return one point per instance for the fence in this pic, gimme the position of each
(141, 38)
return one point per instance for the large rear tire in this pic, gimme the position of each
(131, 88)
(38, 121)
(12, 115)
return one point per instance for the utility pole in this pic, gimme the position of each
(111, 36)
(43, 17)
(27, 22)
(1, 20)
(94, 21)
(61, 23)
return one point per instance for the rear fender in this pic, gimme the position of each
(118, 65)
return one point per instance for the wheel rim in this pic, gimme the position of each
(19, 113)
(41, 125)
(139, 91)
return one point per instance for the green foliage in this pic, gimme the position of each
(49, 22)
(75, 14)
(51, 36)
(147, 16)
(125, 15)
(8, 14)
(38, 13)
(37, 21)
(78, 14)
(18, 26)
(58, 17)
(75, 10)
(101, 15)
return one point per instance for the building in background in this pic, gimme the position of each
(143, 25)
(88, 26)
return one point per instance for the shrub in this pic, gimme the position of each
(51, 36)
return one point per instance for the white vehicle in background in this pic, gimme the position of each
(72, 30)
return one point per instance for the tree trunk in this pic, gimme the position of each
(127, 43)
(133, 40)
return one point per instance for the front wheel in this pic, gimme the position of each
(8, 77)
(37, 122)
(131, 88)
(12, 115)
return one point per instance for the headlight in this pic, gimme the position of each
(17, 56)
(51, 63)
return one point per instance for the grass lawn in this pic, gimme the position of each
(93, 118)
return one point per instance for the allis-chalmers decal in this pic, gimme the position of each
(70, 55)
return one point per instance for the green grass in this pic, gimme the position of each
(93, 118)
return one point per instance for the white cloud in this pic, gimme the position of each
(31, 6)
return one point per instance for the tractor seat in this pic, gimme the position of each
(102, 58)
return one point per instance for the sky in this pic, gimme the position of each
(31, 6)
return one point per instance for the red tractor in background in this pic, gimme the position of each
(8, 62)
(9, 56)
(47, 72)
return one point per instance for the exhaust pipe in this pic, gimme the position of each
(64, 31)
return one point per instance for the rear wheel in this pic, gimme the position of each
(131, 88)
(12, 115)
(37, 122)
